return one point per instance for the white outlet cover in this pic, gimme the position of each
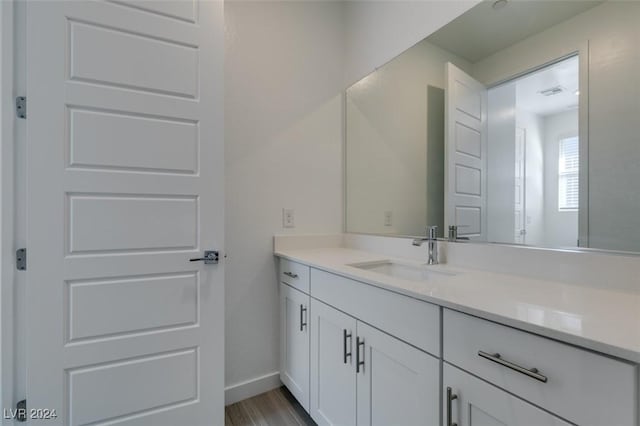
(288, 218)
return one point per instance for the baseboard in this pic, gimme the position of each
(253, 387)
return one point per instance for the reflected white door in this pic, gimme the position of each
(125, 185)
(465, 154)
(519, 187)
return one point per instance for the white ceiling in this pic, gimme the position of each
(563, 74)
(483, 30)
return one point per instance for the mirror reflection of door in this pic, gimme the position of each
(519, 185)
(533, 185)
(465, 154)
(550, 70)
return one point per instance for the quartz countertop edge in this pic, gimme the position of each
(571, 314)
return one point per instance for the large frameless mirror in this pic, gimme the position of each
(515, 123)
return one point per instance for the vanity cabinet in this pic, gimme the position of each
(357, 354)
(294, 342)
(360, 375)
(469, 401)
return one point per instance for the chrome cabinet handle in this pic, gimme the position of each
(291, 274)
(450, 397)
(303, 322)
(359, 362)
(531, 372)
(346, 336)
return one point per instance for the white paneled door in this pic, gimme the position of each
(124, 187)
(465, 154)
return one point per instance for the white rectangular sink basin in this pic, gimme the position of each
(402, 270)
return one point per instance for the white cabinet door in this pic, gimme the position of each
(397, 383)
(478, 403)
(333, 378)
(125, 184)
(294, 343)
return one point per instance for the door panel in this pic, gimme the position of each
(333, 381)
(481, 404)
(120, 141)
(398, 384)
(465, 154)
(168, 300)
(112, 56)
(91, 388)
(125, 185)
(294, 343)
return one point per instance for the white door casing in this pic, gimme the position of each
(465, 154)
(124, 186)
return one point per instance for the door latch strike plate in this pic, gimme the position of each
(21, 107)
(21, 259)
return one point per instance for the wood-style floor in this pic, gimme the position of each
(274, 408)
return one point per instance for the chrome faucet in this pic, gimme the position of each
(432, 239)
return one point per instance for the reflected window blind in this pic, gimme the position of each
(568, 174)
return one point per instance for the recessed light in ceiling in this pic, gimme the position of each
(499, 4)
(577, 93)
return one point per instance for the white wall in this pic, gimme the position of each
(395, 129)
(377, 31)
(613, 32)
(534, 186)
(283, 140)
(286, 64)
(561, 227)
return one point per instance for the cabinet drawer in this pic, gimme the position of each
(414, 321)
(294, 274)
(581, 386)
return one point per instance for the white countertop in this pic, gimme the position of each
(606, 321)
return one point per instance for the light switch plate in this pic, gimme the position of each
(288, 218)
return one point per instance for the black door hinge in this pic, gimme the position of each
(21, 411)
(21, 107)
(21, 259)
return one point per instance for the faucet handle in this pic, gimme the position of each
(432, 232)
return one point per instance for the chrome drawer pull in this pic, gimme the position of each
(291, 274)
(531, 372)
